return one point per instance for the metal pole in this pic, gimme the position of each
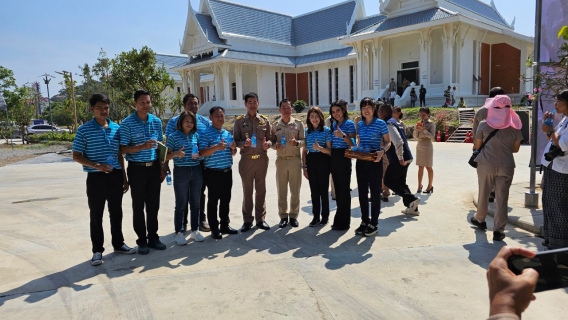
(531, 197)
(46, 80)
(73, 99)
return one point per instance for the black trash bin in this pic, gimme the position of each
(525, 120)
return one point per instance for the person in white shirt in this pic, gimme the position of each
(392, 96)
(555, 188)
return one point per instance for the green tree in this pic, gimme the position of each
(19, 100)
(137, 69)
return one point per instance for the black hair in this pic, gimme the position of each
(182, 116)
(388, 109)
(496, 92)
(398, 109)
(562, 96)
(140, 93)
(424, 109)
(343, 103)
(367, 101)
(98, 97)
(251, 95)
(317, 111)
(213, 109)
(343, 108)
(282, 101)
(189, 96)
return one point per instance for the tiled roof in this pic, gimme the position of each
(367, 22)
(322, 24)
(250, 22)
(481, 9)
(170, 61)
(208, 28)
(409, 19)
(251, 56)
(328, 55)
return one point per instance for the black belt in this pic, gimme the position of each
(219, 170)
(142, 164)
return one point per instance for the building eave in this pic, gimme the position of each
(348, 57)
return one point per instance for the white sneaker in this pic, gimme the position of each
(180, 239)
(97, 259)
(196, 236)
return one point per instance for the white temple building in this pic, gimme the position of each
(339, 52)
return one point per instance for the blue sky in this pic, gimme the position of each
(40, 36)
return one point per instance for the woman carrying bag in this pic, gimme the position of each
(497, 138)
(555, 188)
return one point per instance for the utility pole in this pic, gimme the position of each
(46, 81)
(72, 94)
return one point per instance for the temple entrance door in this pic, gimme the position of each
(411, 74)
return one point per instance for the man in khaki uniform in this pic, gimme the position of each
(288, 163)
(254, 161)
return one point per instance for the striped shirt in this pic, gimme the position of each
(134, 132)
(347, 127)
(202, 124)
(97, 143)
(221, 159)
(371, 135)
(322, 137)
(176, 141)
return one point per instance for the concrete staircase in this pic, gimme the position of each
(465, 117)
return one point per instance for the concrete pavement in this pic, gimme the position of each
(427, 267)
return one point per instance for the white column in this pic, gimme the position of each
(258, 79)
(333, 97)
(226, 85)
(423, 62)
(217, 82)
(376, 66)
(239, 78)
(447, 53)
(196, 82)
(359, 73)
(380, 66)
(183, 75)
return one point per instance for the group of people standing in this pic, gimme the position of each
(202, 152)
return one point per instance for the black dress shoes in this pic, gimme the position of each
(283, 223)
(246, 226)
(216, 235)
(263, 225)
(228, 230)
(294, 223)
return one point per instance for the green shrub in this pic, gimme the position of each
(51, 136)
(299, 106)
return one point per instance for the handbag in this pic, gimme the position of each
(474, 155)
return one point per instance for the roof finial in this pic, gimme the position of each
(493, 5)
(513, 23)
(347, 32)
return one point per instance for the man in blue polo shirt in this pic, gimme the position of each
(218, 147)
(191, 104)
(139, 134)
(96, 148)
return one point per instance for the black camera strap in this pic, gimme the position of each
(491, 135)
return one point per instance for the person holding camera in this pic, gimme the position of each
(500, 136)
(555, 188)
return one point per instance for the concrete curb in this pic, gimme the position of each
(515, 220)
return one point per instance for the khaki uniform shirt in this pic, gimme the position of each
(294, 127)
(245, 126)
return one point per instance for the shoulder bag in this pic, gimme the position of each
(474, 155)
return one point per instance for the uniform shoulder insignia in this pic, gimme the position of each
(263, 116)
(240, 117)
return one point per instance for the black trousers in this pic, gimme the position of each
(219, 186)
(423, 101)
(102, 188)
(145, 186)
(369, 176)
(395, 179)
(319, 167)
(201, 203)
(341, 175)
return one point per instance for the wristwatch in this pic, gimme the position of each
(550, 133)
(344, 136)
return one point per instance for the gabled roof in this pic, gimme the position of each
(367, 22)
(328, 55)
(408, 20)
(206, 24)
(322, 24)
(170, 61)
(238, 20)
(482, 9)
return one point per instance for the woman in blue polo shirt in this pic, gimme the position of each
(371, 131)
(343, 130)
(316, 164)
(188, 176)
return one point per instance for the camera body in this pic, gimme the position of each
(553, 152)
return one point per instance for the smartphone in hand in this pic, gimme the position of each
(552, 268)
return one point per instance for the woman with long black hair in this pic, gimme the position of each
(343, 131)
(372, 131)
(316, 164)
